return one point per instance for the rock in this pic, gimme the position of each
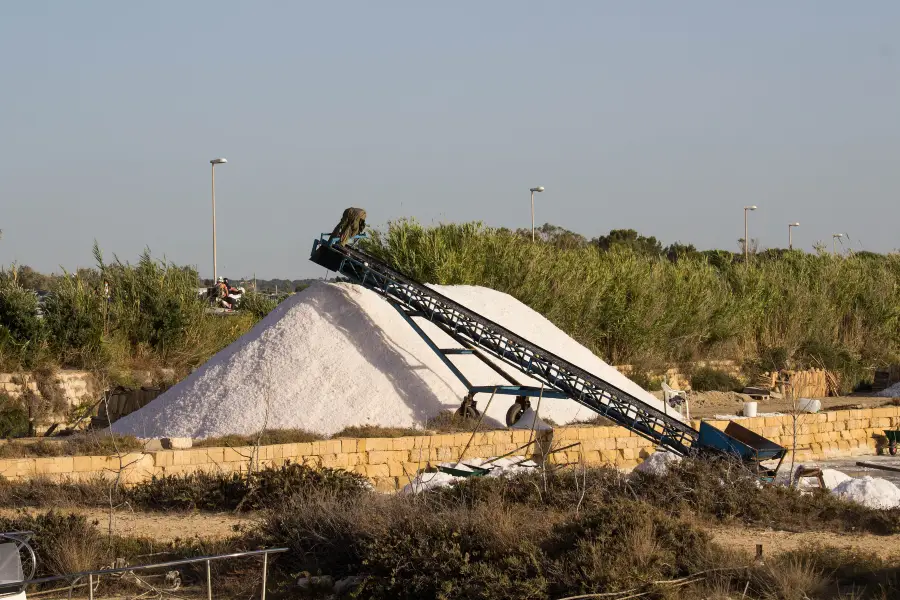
(347, 585)
(176, 443)
(319, 583)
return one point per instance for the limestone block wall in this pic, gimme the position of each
(391, 462)
(76, 387)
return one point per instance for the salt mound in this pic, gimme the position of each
(870, 491)
(891, 392)
(834, 478)
(499, 467)
(337, 355)
(658, 463)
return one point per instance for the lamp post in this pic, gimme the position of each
(746, 233)
(214, 162)
(790, 234)
(539, 188)
(834, 238)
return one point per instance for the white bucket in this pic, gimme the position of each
(749, 409)
(810, 406)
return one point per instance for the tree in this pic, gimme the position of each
(630, 239)
(679, 251)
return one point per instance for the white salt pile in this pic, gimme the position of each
(500, 467)
(873, 492)
(338, 355)
(891, 392)
(658, 463)
(530, 420)
(833, 478)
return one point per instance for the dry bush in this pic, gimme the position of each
(79, 444)
(42, 492)
(77, 551)
(266, 438)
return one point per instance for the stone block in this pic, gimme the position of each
(885, 412)
(385, 484)
(81, 464)
(380, 470)
(176, 443)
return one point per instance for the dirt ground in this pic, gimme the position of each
(709, 404)
(774, 542)
(163, 527)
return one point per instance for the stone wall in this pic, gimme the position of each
(77, 387)
(390, 462)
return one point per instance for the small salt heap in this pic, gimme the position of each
(873, 492)
(658, 463)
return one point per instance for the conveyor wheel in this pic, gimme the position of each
(467, 409)
(516, 411)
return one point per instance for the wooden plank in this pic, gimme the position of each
(878, 466)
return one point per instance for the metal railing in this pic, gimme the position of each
(94, 576)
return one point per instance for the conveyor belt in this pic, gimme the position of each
(577, 384)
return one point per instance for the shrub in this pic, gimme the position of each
(79, 444)
(266, 487)
(706, 379)
(375, 431)
(13, 418)
(627, 306)
(74, 314)
(267, 437)
(22, 331)
(257, 304)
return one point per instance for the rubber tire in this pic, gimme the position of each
(893, 449)
(468, 412)
(514, 413)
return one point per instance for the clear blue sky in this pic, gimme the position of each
(665, 117)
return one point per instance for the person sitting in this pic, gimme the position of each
(221, 293)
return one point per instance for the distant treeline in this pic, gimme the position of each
(632, 300)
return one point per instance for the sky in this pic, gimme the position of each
(664, 117)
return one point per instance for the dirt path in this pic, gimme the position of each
(163, 527)
(774, 542)
(709, 404)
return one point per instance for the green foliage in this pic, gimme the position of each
(631, 240)
(630, 305)
(266, 487)
(257, 305)
(152, 318)
(22, 332)
(706, 379)
(13, 418)
(74, 315)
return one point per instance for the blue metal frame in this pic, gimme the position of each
(444, 353)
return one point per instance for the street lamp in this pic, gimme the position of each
(539, 188)
(746, 233)
(834, 238)
(790, 236)
(214, 162)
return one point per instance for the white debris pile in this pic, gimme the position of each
(873, 492)
(891, 392)
(831, 477)
(658, 463)
(499, 467)
(338, 355)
